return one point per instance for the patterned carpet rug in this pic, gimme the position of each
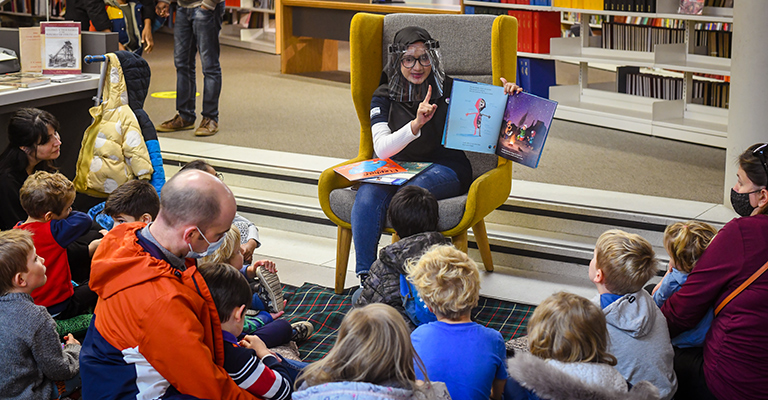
(325, 310)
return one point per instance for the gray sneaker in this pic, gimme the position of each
(270, 290)
(300, 331)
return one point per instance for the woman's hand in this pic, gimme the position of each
(146, 36)
(425, 113)
(510, 87)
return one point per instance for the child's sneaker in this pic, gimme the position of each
(269, 290)
(300, 331)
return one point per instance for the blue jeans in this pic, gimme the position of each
(197, 30)
(293, 367)
(369, 213)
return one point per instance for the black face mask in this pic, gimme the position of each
(740, 203)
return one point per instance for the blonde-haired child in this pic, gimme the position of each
(685, 242)
(569, 357)
(264, 312)
(622, 263)
(448, 282)
(372, 356)
(33, 357)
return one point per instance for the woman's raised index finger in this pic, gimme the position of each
(429, 95)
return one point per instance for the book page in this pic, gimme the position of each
(526, 124)
(474, 117)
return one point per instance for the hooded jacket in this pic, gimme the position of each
(554, 380)
(383, 282)
(113, 150)
(155, 330)
(369, 391)
(640, 341)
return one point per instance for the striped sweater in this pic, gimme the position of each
(265, 378)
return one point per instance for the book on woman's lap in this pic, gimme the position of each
(482, 119)
(382, 171)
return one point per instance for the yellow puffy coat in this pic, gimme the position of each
(113, 150)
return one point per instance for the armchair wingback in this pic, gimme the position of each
(481, 48)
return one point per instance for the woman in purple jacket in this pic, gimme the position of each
(732, 364)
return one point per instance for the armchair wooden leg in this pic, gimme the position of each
(460, 241)
(395, 238)
(481, 237)
(343, 243)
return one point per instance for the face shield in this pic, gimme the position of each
(405, 59)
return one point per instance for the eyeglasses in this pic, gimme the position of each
(410, 61)
(220, 176)
(760, 154)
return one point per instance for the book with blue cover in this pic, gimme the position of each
(482, 119)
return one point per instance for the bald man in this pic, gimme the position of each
(156, 333)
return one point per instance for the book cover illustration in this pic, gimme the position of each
(474, 117)
(60, 47)
(516, 126)
(413, 168)
(368, 169)
(524, 130)
(694, 7)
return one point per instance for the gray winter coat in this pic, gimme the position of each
(640, 341)
(547, 381)
(383, 282)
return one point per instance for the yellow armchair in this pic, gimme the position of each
(473, 47)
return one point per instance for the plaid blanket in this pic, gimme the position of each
(325, 310)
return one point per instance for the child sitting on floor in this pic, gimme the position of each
(135, 200)
(262, 319)
(449, 283)
(33, 357)
(372, 359)
(413, 214)
(569, 357)
(47, 198)
(250, 364)
(685, 243)
(622, 264)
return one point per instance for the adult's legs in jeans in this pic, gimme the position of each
(369, 212)
(689, 368)
(207, 24)
(293, 367)
(184, 48)
(275, 333)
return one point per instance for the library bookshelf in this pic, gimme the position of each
(602, 104)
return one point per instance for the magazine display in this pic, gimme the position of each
(482, 119)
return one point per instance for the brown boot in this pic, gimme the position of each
(175, 124)
(208, 127)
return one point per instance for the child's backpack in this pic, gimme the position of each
(414, 306)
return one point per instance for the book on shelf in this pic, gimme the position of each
(482, 119)
(7, 88)
(535, 76)
(643, 6)
(369, 169)
(68, 78)
(29, 49)
(24, 79)
(692, 7)
(61, 48)
(535, 28)
(412, 168)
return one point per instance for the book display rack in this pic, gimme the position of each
(694, 50)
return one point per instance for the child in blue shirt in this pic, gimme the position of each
(685, 242)
(467, 356)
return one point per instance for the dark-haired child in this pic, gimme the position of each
(413, 213)
(47, 198)
(248, 361)
(135, 200)
(32, 355)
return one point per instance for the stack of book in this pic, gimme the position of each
(709, 93)
(716, 38)
(640, 34)
(583, 4)
(535, 28)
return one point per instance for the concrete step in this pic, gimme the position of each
(543, 233)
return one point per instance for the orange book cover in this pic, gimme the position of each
(369, 169)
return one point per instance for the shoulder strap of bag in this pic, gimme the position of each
(741, 288)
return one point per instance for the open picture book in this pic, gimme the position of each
(382, 171)
(481, 118)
